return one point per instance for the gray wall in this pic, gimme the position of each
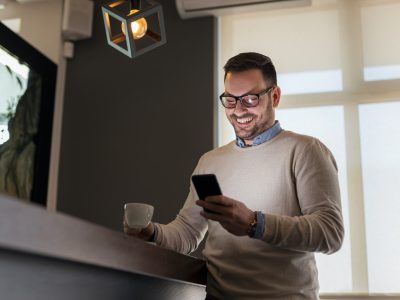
(133, 130)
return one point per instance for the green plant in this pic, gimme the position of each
(11, 108)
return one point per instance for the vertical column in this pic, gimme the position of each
(352, 66)
(56, 132)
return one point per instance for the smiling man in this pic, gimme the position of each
(248, 116)
(281, 199)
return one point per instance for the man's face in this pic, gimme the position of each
(248, 122)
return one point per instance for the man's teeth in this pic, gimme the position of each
(244, 120)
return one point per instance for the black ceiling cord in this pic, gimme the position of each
(136, 4)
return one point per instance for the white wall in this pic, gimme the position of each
(40, 24)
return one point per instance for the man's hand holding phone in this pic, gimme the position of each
(233, 215)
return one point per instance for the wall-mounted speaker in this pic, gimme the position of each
(77, 19)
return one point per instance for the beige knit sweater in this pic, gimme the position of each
(293, 180)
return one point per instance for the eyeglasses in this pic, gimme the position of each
(249, 100)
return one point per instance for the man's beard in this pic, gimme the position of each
(247, 135)
(244, 133)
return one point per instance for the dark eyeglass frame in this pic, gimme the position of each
(240, 98)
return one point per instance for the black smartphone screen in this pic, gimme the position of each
(206, 185)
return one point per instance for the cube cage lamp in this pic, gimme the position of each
(133, 26)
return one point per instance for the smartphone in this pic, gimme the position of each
(206, 185)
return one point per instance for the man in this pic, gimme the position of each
(281, 198)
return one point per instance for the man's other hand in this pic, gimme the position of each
(142, 233)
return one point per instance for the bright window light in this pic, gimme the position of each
(380, 37)
(380, 149)
(382, 73)
(13, 84)
(8, 60)
(311, 82)
(327, 124)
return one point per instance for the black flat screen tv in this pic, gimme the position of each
(27, 92)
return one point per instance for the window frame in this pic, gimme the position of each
(355, 91)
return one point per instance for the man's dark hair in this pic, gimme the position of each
(252, 60)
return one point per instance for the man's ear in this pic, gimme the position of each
(276, 97)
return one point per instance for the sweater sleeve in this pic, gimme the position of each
(185, 233)
(320, 226)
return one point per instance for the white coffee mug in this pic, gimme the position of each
(138, 215)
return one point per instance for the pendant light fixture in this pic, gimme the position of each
(134, 26)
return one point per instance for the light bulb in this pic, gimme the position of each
(138, 27)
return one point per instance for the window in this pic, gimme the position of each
(13, 84)
(27, 87)
(381, 45)
(330, 131)
(339, 70)
(380, 149)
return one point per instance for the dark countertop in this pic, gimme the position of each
(31, 228)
